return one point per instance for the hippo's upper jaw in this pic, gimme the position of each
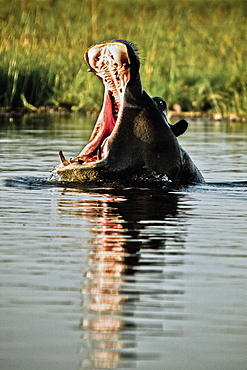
(132, 136)
(111, 63)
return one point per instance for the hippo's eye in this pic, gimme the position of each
(162, 104)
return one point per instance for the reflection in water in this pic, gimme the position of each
(124, 280)
(102, 292)
(164, 275)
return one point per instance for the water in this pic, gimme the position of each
(124, 278)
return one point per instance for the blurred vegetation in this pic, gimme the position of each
(193, 52)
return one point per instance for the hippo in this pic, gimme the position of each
(132, 138)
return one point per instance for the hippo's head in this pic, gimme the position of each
(132, 136)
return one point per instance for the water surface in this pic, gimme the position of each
(122, 278)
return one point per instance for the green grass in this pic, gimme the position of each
(193, 52)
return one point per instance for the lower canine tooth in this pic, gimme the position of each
(61, 156)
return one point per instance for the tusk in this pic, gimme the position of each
(62, 157)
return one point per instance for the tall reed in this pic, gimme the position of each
(192, 52)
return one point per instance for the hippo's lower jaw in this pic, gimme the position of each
(88, 174)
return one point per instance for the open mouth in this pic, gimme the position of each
(111, 63)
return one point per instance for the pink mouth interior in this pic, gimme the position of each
(110, 119)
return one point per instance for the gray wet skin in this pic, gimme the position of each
(132, 136)
(180, 127)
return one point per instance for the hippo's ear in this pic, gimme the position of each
(180, 127)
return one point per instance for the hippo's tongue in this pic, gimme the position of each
(111, 63)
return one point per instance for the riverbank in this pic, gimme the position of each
(12, 115)
(192, 53)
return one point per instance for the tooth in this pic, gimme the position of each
(62, 158)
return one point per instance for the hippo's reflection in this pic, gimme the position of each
(137, 246)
